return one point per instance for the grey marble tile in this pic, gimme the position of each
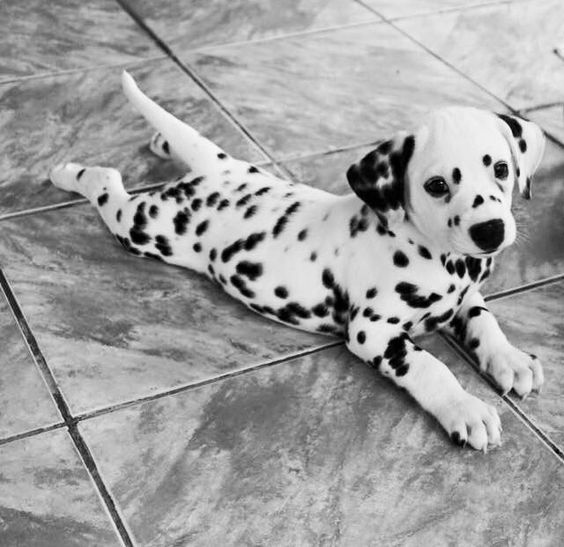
(25, 402)
(204, 23)
(307, 94)
(550, 119)
(115, 327)
(507, 48)
(534, 322)
(40, 37)
(539, 251)
(322, 451)
(85, 117)
(46, 497)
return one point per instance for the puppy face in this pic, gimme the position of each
(454, 178)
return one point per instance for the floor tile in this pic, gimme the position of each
(507, 48)
(46, 497)
(25, 402)
(533, 321)
(322, 451)
(115, 327)
(551, 119)
(539, 251)
(85, 117)
(208, 23)
(65, 35)
(326, 91)
(409, 8)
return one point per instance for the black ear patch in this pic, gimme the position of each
(379, 178)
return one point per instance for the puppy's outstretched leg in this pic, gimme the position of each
(174, 138)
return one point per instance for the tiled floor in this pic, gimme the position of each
(142, 406)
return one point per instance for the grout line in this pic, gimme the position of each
(31, 433)
(536, 430)
(71, 71)
(63, 408)
(524, 288)
(208, 381)
(529, 109)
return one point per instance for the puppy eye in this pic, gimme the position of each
(501, 171)
(437, 187)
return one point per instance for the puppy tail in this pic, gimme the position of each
(184, 141)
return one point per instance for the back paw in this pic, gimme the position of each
(159, 146)
(66, 176)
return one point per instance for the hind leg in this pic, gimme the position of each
(152, 224)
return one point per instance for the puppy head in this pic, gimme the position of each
(453, 178)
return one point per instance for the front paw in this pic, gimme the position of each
(66, 175)
(514, 369)
(468, 420)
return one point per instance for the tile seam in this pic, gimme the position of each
(537, 431)
(31, 433)
(63, 408)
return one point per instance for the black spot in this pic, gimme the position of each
(407, 325)
(153, 211)
(213, 254)
(523, 145)
(302, 235)
(357, 225)
(239, 283)
(244, 200)
(474, 343)
(478, 200)
(328, 278)
(487, 160)
(232, 249)
(320, 310)
(393, 320)
(456, 220)
(456, 175)
(450, 267)
(431, 323)
(381, 230)
(165, 147)
(396, 352)
(262, 191)
(424, 252)
(252, 270)
(400, 259)
(103, 199)
(449, 223)
(250, 211)
(139, 224)
(222, 279)
(377, 361)
(474, 267)
(371, 293)
(212, 199)
(329, 329)
(211, 270)
(279, 226)
(474, 311)
(375, 317)
(180, 221)
(80, 173)
(223, 204)
(451, 288)
(197, 247)
(202, 227)
(153, 256)
(163, 246)
(514, 125)
(361, 337)
(196, 204)
(281, 292)
(222, 155)
(253, 169)
(409, 294)
(241, 187)
(313, 256)
(253, 240)
(460, 267)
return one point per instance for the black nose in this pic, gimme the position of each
(488, 235)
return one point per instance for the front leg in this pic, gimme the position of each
(478, 331)
(465, 418)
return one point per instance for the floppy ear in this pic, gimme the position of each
(379, 178)
(526, 141)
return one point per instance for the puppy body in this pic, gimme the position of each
(372, 266)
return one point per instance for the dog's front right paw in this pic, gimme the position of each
(468, 420)
(66, 176)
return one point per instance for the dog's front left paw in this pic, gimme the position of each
(468, 420)
(514, 369)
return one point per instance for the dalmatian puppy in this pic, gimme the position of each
(405, 254)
